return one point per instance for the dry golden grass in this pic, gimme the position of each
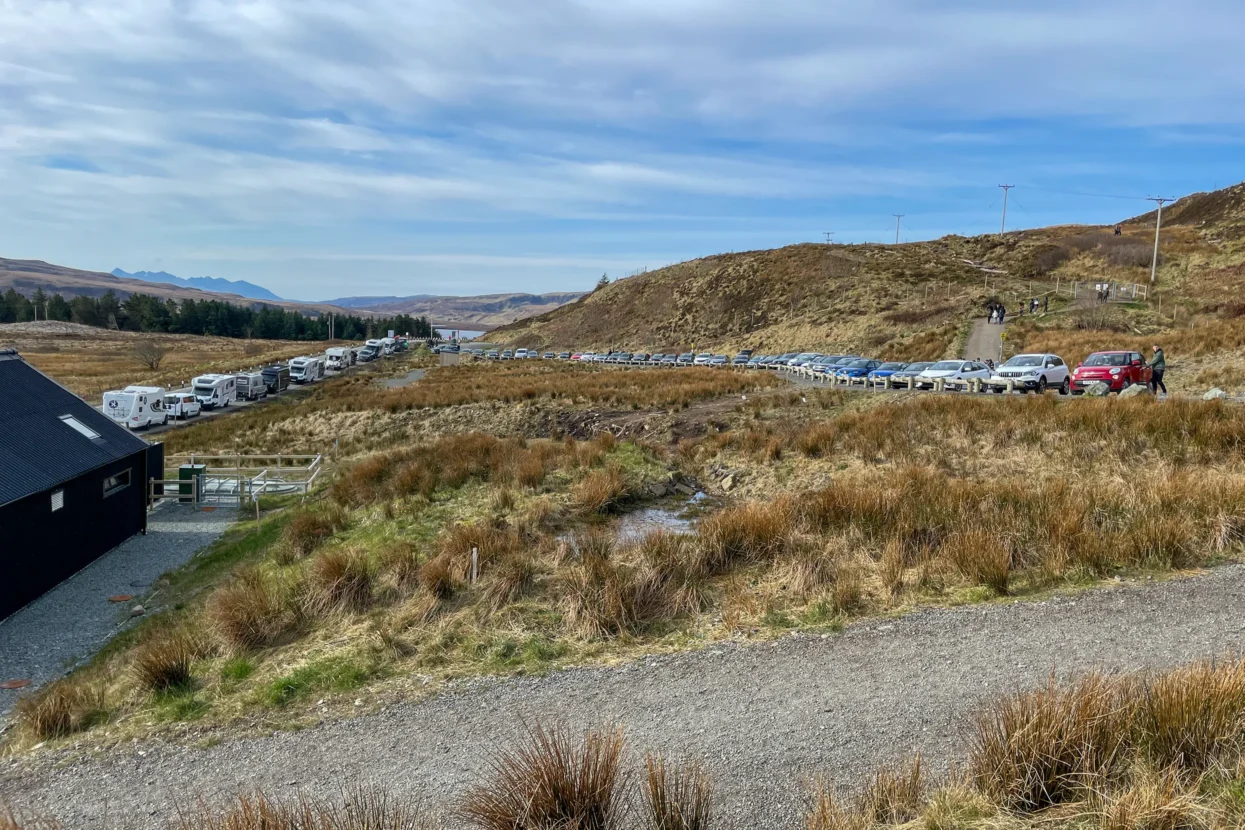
(97, 360)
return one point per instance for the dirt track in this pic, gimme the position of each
(763, 717)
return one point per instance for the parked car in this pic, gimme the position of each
(639, 357)
(858, 368)
(1032, 372)
(548, 356)
(686, 359)
(952, 370)
(564, 356)
(276, 378)
(520, 354)
(702, 359)
(182, 405)
(670, 360)
(885, 372)
(899, 380)
(507, 354)
(250, 386)
(718, 360)
(1119, 370)
(803, 358)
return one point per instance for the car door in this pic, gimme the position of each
(1056, 370)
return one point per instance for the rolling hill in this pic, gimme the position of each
(902, 301)
(484, 312)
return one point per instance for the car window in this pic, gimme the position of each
(947, 365)
(1115, 359)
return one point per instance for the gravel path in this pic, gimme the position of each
(73, 620)
(762, 717)
(403, 380)
(985, 342)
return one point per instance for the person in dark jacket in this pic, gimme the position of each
(1158, 364)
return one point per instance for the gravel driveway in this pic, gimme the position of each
(762, 717)
(72, 621)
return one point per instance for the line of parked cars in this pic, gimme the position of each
(138, 407)
(1023, 372)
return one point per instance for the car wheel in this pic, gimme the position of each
(1127, 383)
(1041, 387)
(165, 422)
(1066, 387)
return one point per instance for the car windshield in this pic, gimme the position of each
(918, 367)
(1025, 360)
(203, 390)
(947, 366)
(1107, 360)
(171, 399)
(891, 367)
(858, 364)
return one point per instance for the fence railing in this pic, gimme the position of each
(241, 478)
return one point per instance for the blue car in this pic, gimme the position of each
(886, 370)
(858, 368)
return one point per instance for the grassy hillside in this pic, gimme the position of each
(912, 300)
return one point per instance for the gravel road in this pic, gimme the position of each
(762, 717)
(73, 620)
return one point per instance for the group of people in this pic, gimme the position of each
(996, 312)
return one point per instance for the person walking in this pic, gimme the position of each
(1002, 314)
(1158, 365)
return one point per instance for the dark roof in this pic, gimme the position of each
(37, 449)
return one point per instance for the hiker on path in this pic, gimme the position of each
(1159, 365)
(1002, 314)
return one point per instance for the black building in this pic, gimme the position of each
(73, 485)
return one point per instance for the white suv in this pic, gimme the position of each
(1032, 372)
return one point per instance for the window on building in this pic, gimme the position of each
(58, 500)
(79, 427)
(117, 483)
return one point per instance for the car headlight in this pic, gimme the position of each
(1031, 372)
(1115, 372)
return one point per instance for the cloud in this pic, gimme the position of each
(174, 124)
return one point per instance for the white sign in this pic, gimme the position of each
(391, 332)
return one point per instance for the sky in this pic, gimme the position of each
(394, 147)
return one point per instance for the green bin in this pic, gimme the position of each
(186, 474)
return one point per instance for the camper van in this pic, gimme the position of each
(276, 378)
(388, 344)
(215, 390)
(337, 358)
(372, 350)
(136, 407)
(182, 405)
(307, 369)
(251, 386)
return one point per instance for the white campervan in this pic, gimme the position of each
(388, 344)
(215, 390)
(251, 386)
(306, 369)
(135, 407)
(337, 358)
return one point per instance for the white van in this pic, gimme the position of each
(251, 386)
(388, 344)
(337, 358)
(215, 390)
(135, 407)
(182, 405)
(306, 369)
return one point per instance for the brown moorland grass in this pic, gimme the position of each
(1209, 337)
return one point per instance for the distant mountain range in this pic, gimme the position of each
(483, 312)
(221, 286)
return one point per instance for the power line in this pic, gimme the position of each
(1003, 224)
(1158, 224)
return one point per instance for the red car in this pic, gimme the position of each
(1119, 370)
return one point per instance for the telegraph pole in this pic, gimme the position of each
(1003, 226)
(828, 235)
(897, 216)
(1158, 224)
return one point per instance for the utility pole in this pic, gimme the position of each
(828, 235)
(897, 216)
(1003, 226)
(1158, 224)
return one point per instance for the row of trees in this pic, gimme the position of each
(143, 312)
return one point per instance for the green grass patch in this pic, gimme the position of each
(237, 669)
(331, 675)
(180, 705)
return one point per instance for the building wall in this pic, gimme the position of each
(40, 547)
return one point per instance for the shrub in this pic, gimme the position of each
(601, 598)
(308, 529)
(1192, 718)
(677, 798)
(338, 580)
(750, 532)
(508, 580)
(69, 705)
(600, 491)
(162, 664)
(1130, 256)
(249, 611)
(554, 781)
(981, 557)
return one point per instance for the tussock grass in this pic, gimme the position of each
(359, 809)
(600, 491)
(250, 611)
(554, 780)
(69, 705)
(162, 663)
(339, 581)
(309, 528)
(677, 797)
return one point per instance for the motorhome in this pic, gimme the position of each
(182, 405)
(371, 351)
(215, 390)
(388, 344)
(337, 358)
(307, 369)
(276, 378)
(251, 386)
(136, 407)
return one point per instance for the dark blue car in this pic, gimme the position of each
(886, 370)
(857, 368)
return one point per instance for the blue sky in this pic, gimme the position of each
(325, 149)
